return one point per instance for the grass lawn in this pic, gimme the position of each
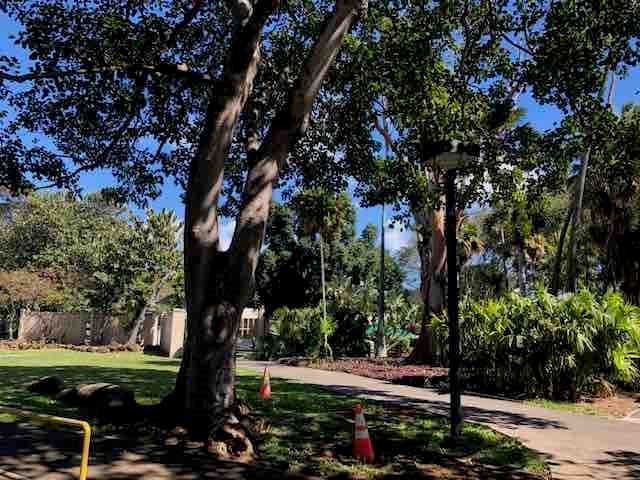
(309, 429)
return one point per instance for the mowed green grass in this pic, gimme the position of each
(309, 429)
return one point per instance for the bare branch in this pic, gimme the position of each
(65, 178)
(516, 45)
(386, 135)
(189, 15)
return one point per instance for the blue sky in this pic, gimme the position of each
(542, 117)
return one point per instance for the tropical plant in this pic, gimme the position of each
(323, 213)
(302, 331)
(547, 346)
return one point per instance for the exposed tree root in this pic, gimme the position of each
(114, 405)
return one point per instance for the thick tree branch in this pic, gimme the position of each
(386, 136)
(287, 127)
(180, 71)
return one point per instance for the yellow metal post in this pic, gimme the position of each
(52, 419)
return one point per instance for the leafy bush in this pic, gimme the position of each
(547, 346)
(301, 331)
(355, 309)
(24, 290)
(269, 347)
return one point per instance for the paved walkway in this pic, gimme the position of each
(579, 447)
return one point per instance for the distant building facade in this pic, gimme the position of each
(165, 330)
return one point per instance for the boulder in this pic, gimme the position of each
(68, 395)
(50, 385)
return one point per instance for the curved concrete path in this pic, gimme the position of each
(578, 447)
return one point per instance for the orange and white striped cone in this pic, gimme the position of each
(362, 447)
(265, 386)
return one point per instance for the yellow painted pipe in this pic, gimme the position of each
(52, 419)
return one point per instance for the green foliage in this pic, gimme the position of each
(86, 254)
(354, 308)
(302, 331)
(24, 290)
(547, 346)
(319, 211)
(288, 270)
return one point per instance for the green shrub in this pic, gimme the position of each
(302, 331)
(269, 347)
(547, 346)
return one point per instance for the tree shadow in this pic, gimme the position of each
(305, 422)
(630, 461)
(33, 452)
(499, 418)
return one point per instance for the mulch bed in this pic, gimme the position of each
(389, 369)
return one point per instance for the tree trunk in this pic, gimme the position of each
(521, 265)
(151, 302)
(324, 298)
(433, 261)
(557, 266)
(219, 284)
(572, 279)
(204, 387)
(381, 347)
(137, 325)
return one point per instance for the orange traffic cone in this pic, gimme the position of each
(362, 448)
(265, 386)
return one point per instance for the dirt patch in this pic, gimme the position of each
(390, 369)
(619, 406)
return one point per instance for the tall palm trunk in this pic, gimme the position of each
(381, 346)
(572, 280)
(324, 295)
(557, 266)
(576, 225)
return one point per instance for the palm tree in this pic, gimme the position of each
(323, 213)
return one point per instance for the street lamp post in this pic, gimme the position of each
(451, 155)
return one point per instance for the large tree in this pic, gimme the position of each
(571, 62)
(98, 256)
(140, 88)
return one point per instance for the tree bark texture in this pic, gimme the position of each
(557, 266)
(433, 263)
(219, 284)
(572, 279)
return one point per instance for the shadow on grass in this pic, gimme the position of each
(32, 453)
(309, 432)
(501, 418)
(169, 361)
